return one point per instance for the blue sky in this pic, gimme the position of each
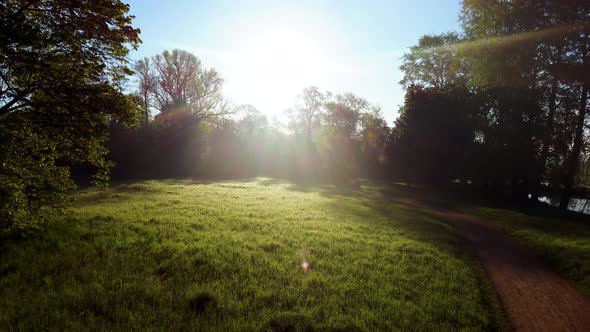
(268, 51)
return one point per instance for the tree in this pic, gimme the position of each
(540, 46)
(185, 95)
(146, 84)
(61, 67)
(340, 135)
(309, 110)
(251, 122)
(373, 136)
(434, 62)
(433, 135)
(177, 81)
(573, 159)
(343, 114)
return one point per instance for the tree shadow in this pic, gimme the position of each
(392, 204)
(119, 192)
(326, 189)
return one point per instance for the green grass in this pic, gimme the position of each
(564, 244)
(177, 255)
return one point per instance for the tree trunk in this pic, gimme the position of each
(574, 158)
(146, 108)
(546, 140)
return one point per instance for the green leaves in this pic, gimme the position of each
(61, 63)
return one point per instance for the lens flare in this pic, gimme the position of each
(305, 266)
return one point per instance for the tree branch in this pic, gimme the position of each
(8, 107)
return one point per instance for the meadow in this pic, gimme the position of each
(260, 254)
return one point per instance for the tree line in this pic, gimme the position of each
(194, 132)
(500, 106)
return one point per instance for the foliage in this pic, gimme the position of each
(535, 46)
(522, 64)
(61, 66)
(176, 81)
(308, 113)
(433, 135)
(434, 62)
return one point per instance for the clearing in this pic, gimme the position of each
(228, 255)
(266, 254)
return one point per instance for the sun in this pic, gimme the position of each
(285, 52)
(278, 60)
(284, 58)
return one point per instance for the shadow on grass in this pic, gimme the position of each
(392, 205)
(117, 193)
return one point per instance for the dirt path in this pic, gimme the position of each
(534, 297)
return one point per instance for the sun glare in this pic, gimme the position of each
(276, 60)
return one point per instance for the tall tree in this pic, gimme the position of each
(179, 82)
(146, 84)
(535, 45)
(573, 159)
(61, 66)
(310, 109)
(343, 114)
(434, 62)
(433, 135)
(373, 136)
(341, 147)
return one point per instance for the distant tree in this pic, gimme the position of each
(188, 103)
(340, 143)
(251, 122)
(61, 67)
(343, 114)
(507, 147)
(223, 157)
(146, 85)
(177, 81)
(373, 136)
(252, 132)
(309, 110)
(305, 122)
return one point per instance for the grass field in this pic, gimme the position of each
(565, 244)
(230, 255)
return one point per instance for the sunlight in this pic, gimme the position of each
(284, 52)
(277, 59)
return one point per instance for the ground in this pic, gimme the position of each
(265, 254)
(534, 297)
(564, 244)
(229, 255)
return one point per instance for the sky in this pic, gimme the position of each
(268, 51)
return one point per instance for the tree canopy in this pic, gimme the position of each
(62, 65)
(177, 81)
(522, 63)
